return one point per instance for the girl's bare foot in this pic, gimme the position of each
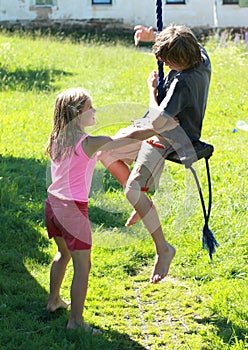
(57, 304)
(162, 264)
(134, 217)
(73, 325)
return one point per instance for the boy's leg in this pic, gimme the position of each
(133, 218)
(79, 286)
(148, 213)
(145, 176)
(57, 273)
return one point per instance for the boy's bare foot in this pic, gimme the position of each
(84, 325)
(134, 217)
(58, 304)
(162, 264)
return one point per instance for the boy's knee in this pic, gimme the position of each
(132, 191)
(127, 192)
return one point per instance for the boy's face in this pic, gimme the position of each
(172, 66)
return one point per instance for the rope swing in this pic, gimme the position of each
(160, 64)
(202, 149)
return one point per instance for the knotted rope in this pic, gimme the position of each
(160, 64)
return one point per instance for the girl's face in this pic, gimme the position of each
(87, 116)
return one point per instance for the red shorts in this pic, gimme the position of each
(68, 219)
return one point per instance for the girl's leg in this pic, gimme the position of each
(57, 274)
(82, 264)
(120, 171)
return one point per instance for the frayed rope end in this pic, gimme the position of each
(208, 241)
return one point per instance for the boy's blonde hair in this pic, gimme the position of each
(177, 45)
(69, 104)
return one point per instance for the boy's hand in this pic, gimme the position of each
(143, 34)
(176, 120)
(152, 80)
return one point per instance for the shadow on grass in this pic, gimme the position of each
(104, 182)
(29, 79)
(24, 322)
(226, 329)
(107, 219)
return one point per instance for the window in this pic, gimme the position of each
(45, 2)
(96, 2)
(230, 2)
(169, 2)
(243, 3)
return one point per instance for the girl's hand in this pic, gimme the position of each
(143, 34)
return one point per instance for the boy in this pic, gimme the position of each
(185, 97)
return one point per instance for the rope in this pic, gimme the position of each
(208, 240)
(209, 189)
(206, 216)
(160, 64)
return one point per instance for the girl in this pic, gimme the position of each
(73, 158)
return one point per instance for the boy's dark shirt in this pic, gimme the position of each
(186, 94)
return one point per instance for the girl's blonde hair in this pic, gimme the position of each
(177, 45)
(69, 104)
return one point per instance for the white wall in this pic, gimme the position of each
(130, 11)
(233, 16)
(12, 10)
(200, 13)
(194, 13)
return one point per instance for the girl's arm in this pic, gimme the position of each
(92, 144)
(143, 34)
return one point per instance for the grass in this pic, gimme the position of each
(202, 304)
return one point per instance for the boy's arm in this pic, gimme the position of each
(152, 83)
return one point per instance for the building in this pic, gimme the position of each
(125, 13)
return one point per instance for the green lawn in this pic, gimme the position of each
(201, 304)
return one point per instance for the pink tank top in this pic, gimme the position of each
(72, 176)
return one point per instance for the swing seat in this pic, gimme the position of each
(202, 150)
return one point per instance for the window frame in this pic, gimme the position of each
(229, 2)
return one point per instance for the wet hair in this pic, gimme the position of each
(69, 104)
(177, 45)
